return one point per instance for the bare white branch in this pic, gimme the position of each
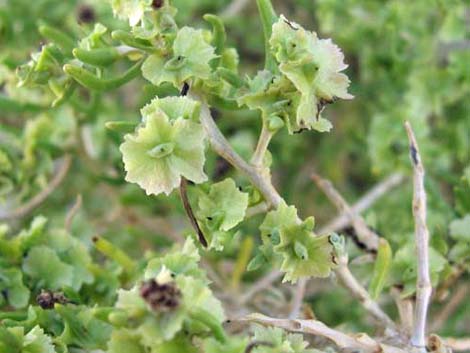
(299, 293)
(260, 285)
(365, 235)
(73, 212)
(262, 207)
(423, 285)
(364, 203)
(458, 344)
(405, 311)
(235, 7)
(221, 146)
(460, 294)
(361, 342)
(262, 146)
(360, 293)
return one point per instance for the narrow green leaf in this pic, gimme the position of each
(231, 77)
(209, 320)
(381, 268)
(91, 81)
(218, 36)
(123, 127)
(97, 57)
(130, 40)
(268, 18)
(58, 37)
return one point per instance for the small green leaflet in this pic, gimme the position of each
(382, 266)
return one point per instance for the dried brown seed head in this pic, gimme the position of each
(47, 299)
(160, 297)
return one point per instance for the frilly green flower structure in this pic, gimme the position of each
(165, 147)
(302, 253)
(310, 77)
(190, 58)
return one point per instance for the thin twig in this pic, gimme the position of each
(221, 146)
(262, 207)
(260, 285)
(461, 293)
(405, 311)
(25, 209)
(360, 293)
(365, 235)
(190, 213)
(235, 7)
(380, 189)
(423, 285)
(298, 299)
(363, 343)
(262, 146)
(252, 345)
(449, 282)
(458, 344)
(73, 212)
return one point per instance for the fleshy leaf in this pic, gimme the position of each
(460, 229)
(179, 262)
(82, 329)
(381, 268)
(161, 151)
(283, 216)
(125, 341)
(224, 204)
(45, 267)
(36, 341)
(278, 340)
(404, 269)
(12, 287)
(174, 108)
(190, 59)
(233, 345)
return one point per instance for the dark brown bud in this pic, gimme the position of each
(156, 4)
(160, 297)
(86, 14)
(47, 299)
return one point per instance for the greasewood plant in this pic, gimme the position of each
(63, 294)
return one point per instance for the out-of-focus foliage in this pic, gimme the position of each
(70, 68)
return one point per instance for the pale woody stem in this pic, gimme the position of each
(262, 146)
(221, 146)
(423, 285)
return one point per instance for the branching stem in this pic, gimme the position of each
(221, 146)
(362, 342)
(262, 146)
